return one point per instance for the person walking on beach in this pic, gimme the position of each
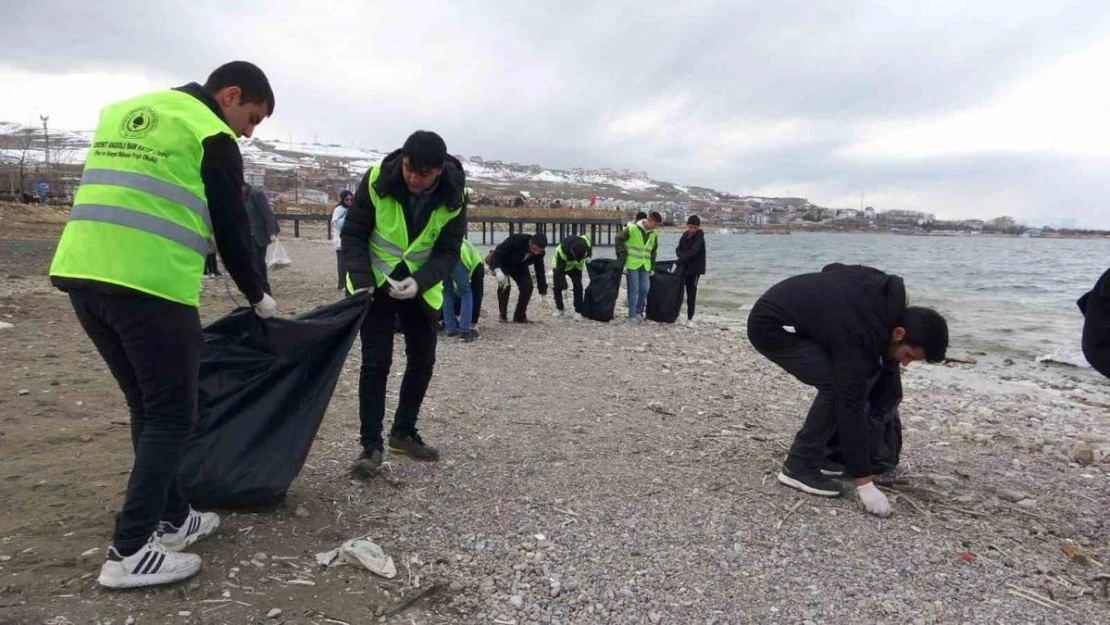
(691, 257)
(400, 240)
(462, 290)
(835, 330)
(1095, 306)
(338, 216)
(264, 229)
(636, 247)
(164, 174)
(570, 261)
(511, 259)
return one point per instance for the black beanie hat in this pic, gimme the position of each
(693, 220)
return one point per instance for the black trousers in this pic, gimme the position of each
(560, 279)
(260, 260)
(811, 364)
(211, 265)
(691, 283)
(418, 326)
(524, 283)
(152, 347)
(341, 276)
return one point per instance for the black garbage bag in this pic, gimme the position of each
(664, 301)
(884, 423)
(1095, 306)
(599, 301)
(264, 388)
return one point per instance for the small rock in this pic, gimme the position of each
(457, 585)
(130, 621)
(274, 613)
(655, 617)
(556, 589)
(24, 391)
(260, 556)
(7, 558)
(1081, 453)
(301, 511)
(184, 613)
(1027, 503)
(1012, 496)
(517, 601)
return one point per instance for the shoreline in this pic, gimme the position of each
(644, 455)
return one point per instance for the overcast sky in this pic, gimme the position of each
(964, 109)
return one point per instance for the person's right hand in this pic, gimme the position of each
(502, 279)
(873, 499)
(265, 307)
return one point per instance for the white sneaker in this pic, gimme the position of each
(197, 526)
(690, 324)
(150, 566)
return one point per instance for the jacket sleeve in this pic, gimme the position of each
(445, 253)
(692, 251)
(355, 237)
(853, 370)
(272, 227)
(622, 249)
(541, 274)
(221, 170)
(654, 249)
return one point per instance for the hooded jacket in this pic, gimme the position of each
(852, 312)
(417, 210)
(691, 253)
(575, 249)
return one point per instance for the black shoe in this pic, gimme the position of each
(523, 320)
(412, 446)
(503, 319)
(832, 469)
(815, 484)
(368, 463)
(469, 337)
(452, 334)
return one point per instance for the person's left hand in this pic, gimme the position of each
(405, 289)
(273, 238)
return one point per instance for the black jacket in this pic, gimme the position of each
(221, 168)
(511, 256)
(575, 249)
(263, 224)
(691, 253)
(851, 311)
(448, 190)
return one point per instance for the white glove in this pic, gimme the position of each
(502, 279)
(873, 499)
(265, 307)
(673, 267)
(367, 289)
(405, 289)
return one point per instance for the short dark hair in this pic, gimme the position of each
(656, 217)
(425, 149)
(248, 77)
(539, 240)
(926, 328)
(693, 220)
(640, 215)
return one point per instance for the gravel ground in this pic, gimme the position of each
(591, 473)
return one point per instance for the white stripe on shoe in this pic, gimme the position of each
(794, 483)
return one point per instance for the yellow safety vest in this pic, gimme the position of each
(639, 250)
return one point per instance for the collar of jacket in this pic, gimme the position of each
(198, 92)
(449, 188)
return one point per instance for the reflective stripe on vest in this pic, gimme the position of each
(151, 185)
(140, 221)
(571, 265)
(638, 249)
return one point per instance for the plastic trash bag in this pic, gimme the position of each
(664, 302)
(264, 387)
(277, 257)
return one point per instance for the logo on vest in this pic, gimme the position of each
(139, 123)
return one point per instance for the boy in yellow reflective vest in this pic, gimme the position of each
(401, 238)
(636, 246)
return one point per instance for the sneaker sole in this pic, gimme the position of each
(786, 480)
(141, 581)
(402, 452)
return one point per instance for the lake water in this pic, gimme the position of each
(1008, 297)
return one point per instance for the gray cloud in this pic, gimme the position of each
(547, 84)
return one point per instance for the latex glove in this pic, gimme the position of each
(502, 279)
(265, 307)
(405, 289)
(673, 267)
(367, 290)
(273, 238)
(873, 499)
